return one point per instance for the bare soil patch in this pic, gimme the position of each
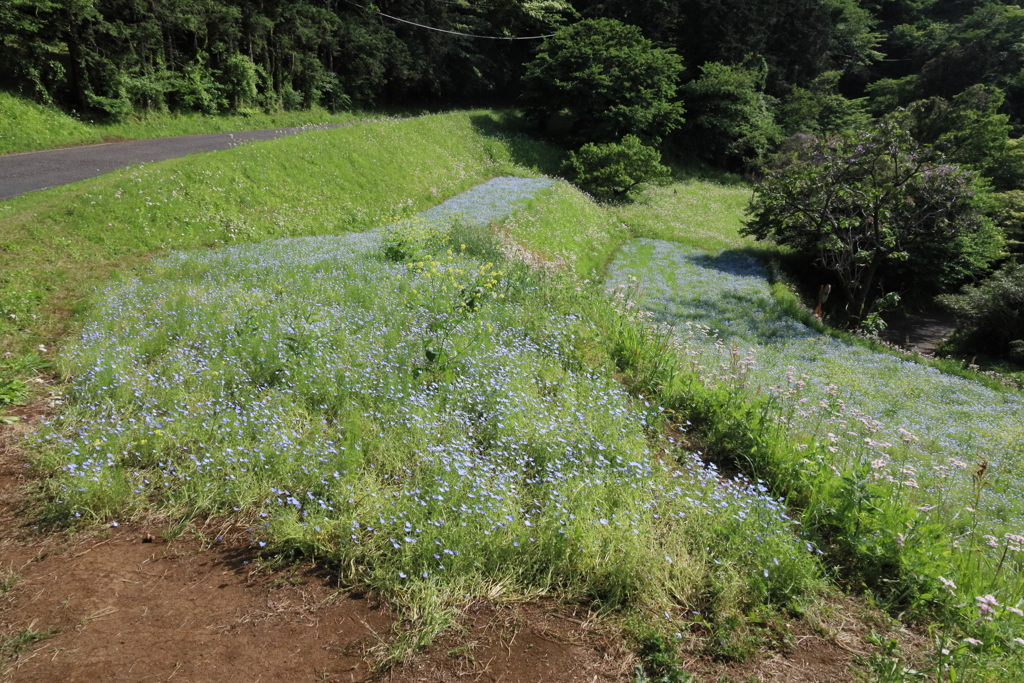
(921, 332)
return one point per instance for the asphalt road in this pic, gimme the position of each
(33, 171)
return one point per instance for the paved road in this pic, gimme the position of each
(33, 171)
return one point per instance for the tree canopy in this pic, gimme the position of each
(607, 79)
(861, 205)
(107, 57)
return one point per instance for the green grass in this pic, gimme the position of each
(158, 125)
(57, 244)
(703, 210)
(26, 126)
(569, 230)
(11, 645)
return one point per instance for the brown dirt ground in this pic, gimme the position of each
(921, 332)
(123, 604)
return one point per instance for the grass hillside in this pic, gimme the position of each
(26, 126)
(324, 339)
(57, 244)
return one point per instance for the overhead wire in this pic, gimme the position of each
(454, 33)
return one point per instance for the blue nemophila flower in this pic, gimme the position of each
(281, 378)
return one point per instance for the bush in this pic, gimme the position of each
(197, 89)
(240, 80)
(730, 121)
(606, 79)
(990, 316)
(615, 170)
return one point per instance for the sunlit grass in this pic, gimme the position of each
(696, 211)
(57, 244)
(27, 126)
(434, 424)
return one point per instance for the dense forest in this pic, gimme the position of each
(107, 56)
(738, 83)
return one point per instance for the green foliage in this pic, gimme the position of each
(990, 315)
(607, 80)
(616, 170)
(861, 205)
(970, 130)
(197, 89)
(239, 75)
(659, 661)
(979, 48)
(887, 664)
(1007, 210)
(110, 57)
(818, 37)
(411, 239)
(820, 108)
(730, 118)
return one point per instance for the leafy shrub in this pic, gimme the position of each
(615, 170)
(990, 315)
(873, 205)
(197, 89)
(606, 79)
(240, 80)
(659, 661)
(411, 240)
(1007, 211)
(730, 118)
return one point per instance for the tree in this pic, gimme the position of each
(615, 171)
(990, 316)
(608, 79)
(970, 130)
(859, 202)
(730, 118)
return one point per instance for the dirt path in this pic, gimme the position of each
(921, 332)
(33, 171)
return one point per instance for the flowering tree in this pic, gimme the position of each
(862, 202)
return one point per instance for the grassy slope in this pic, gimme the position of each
(169, 125)
(57, 244)
(696, 211)
(26, 126)
(64, 241)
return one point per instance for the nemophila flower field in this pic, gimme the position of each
(431, 421)
(926, 430)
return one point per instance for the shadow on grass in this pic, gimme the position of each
(542, 156)
(686, 168)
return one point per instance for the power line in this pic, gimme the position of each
(454, 33)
